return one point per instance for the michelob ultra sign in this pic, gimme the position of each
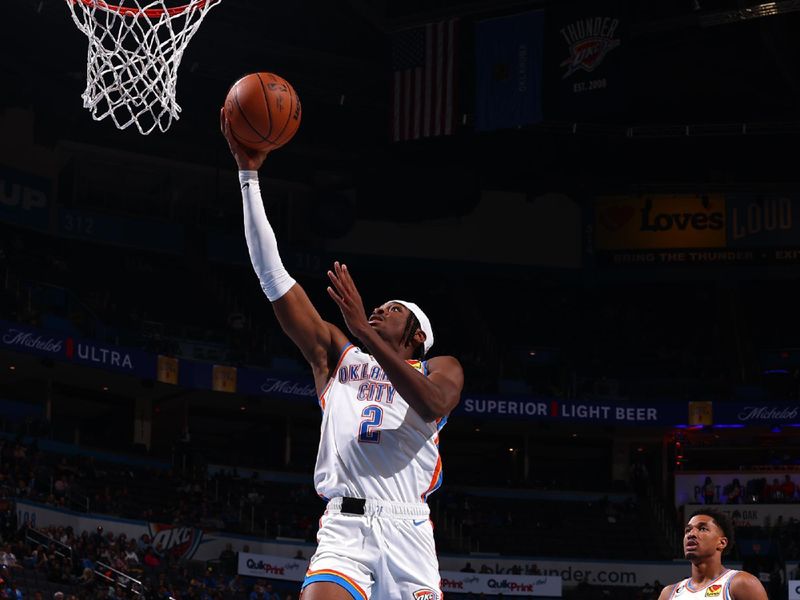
(660, 221)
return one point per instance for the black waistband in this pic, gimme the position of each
(353, 506)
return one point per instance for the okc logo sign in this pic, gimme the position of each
(181, 542)
(589, 40)
(426, 594)
(660, 221)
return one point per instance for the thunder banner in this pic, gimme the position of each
(585, 61)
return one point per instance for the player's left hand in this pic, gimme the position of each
(246, 158)
(345, 294)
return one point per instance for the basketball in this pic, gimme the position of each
(263, 111)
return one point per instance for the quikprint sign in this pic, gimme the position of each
(272, 567)
(508, 585)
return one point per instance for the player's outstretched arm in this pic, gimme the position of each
(745, 586)
(433, 396)
(319, 341)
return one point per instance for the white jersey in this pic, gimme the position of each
(719, 588)
(372, 444)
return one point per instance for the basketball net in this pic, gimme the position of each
(134, 55)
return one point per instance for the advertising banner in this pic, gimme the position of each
(27, 339)
(660, 221)
(292, 569)
(508, 585)
(690, 487)
(272, 567)
(547, 409)
(681, 229)
(574, 572)
(290, 386)
(764, 220)
(757, 413)
(794, 589)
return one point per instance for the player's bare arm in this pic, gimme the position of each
(666, 592)
(433, 396)
(319, 341)
(745, 586)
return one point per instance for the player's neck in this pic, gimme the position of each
(707, 570)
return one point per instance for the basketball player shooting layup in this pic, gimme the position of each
(378, 457)
(705, 539)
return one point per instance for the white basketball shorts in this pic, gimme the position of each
(386, 553)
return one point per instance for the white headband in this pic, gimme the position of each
(424, 322)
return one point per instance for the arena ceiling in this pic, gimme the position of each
(717, 91)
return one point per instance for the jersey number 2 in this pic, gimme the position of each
(372, 417)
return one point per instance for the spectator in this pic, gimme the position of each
(269, 594)
(735, 492)
(258, 592)
(151, 561)
(227, 561)
(709, 491)
(86, 579)
(774, 492)
(7, 558)
(468, 569)
(788, 488)
(235, 585)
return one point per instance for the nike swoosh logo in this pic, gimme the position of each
(418, 523)
(246, 185)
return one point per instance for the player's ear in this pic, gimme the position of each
(420, 337)
(722, 544)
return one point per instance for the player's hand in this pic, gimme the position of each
(345, 294)
(246, 158)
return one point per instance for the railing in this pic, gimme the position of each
(665, 519)
(39, 538)
(119, 578)
(78, 502)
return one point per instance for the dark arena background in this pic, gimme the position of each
(594, 201)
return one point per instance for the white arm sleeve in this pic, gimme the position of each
(261, 242)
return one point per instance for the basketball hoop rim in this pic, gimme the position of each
(150, 13)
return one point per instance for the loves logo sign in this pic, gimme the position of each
(713, 591)
(616, 216)
(660, 221)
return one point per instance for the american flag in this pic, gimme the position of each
(423, 84)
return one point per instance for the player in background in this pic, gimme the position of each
(378, 458)
(706, 537)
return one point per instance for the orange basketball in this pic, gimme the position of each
(263, 111)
